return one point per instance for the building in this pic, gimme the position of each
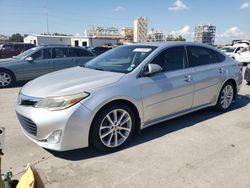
(205, 34)
(127, 34)
(155, 36)
(140, 29)
(82, 41)
(103, 32)
(3, 38)
(47, 39)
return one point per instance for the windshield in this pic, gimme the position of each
(123, 59)
(228, 49)
(26, 53)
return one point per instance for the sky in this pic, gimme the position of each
(177, 17)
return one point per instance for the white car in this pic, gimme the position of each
(228, 50)
(243, 56)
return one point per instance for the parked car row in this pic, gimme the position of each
(40, 60)
(124, 90)
(8, 50)
(240, 52)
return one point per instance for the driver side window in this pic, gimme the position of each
(37, 55)
(171, 59)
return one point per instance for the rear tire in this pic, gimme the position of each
(7, 79)
(248, 82)
(226, 97)
(112, 128)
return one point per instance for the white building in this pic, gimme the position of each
(205, 34)
(155, 36)
(140, 29)
(127, 34)
(71, 40)
(47, 39)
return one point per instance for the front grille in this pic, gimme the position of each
(27, 124)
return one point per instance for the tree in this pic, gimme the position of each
(180, 38)
(16, 38)
(173, 38)
(170, 37)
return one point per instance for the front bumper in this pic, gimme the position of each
(74, 124)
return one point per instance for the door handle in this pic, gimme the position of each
(221, 70)
(188, 78)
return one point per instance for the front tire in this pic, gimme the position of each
(112, 127)
(7, 79)
(226, 97)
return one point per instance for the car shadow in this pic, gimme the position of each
(156, 131)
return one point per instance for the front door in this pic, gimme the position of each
(171, 91)
(40, 65)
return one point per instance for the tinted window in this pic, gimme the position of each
(72, 52)
(47, 53)
(19, 47)
(7, 47)
(37, 55)
(201, 56)
(83, 53)
(42, 54)
(60, 53)
(171, 59)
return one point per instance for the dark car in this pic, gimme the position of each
(8, 50)
(41, 60)
(100, 49)
(247, 74)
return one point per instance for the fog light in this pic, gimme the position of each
(55, 137)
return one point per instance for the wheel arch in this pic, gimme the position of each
(125, 102)
(8, 70)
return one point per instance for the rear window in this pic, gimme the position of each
(203, 56)
(60, 53)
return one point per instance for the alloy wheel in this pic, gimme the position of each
(227, 96)
(5, 79)
(115, 128)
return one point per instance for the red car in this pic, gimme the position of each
(8, 50)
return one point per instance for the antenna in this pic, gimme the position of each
(47, 17)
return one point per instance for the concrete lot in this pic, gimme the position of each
(202, 149)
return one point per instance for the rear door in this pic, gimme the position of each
(210, 71)
(61, 58)
(171, 91)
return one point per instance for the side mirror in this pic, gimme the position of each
(29, 59)
(151, 69)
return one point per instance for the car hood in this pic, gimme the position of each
(69, 81)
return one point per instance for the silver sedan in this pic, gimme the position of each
(123, 90)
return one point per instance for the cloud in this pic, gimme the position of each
(185, 32)
(231, 33)
(245, 5)
(119, 8)
(178, 5)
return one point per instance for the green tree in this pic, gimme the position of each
(180, 38)
(16, 38)
(170, 37)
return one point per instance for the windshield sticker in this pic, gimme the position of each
(142, 50)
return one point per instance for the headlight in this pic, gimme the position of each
(62, 102)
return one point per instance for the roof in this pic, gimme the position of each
(171, 43)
